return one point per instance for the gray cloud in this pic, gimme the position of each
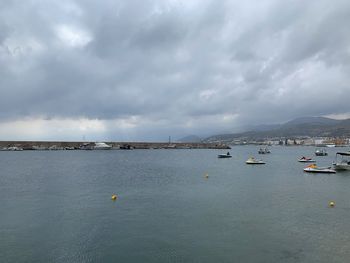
(174, 67)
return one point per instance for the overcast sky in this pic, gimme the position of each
(144, 70)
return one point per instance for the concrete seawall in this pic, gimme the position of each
(32, 145)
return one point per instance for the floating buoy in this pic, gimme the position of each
(206, 176)
(114, 197)
(331, 203)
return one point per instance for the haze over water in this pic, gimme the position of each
(56, 207)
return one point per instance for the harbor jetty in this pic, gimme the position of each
(66, 145)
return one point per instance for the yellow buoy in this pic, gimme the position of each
(331, 203)
(114, 197)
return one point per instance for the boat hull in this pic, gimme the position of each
(319, 170)
(343, 167)
(321, 154)
(102, 148)
(263, 152)
(224, 156)
(247, 162)
(306, 161)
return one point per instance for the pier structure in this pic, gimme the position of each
(74, 145)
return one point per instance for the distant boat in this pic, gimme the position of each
(330, 145)
(314, 169)
(69, 148)
(344, 162)
(306, 160)
(264, 150)
(39, 148)
(12, 148)
(126, 147)
(101, 146)
(55, 148)
(321, 152)
(252, 160)
(227, 155)
(170, 146)
(86, 146)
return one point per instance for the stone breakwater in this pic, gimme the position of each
(64, 145)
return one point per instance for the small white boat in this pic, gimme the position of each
(12, 148)
(55, 148)
(39, 148)
(314, 169)
(252, 160)
(69, 148)
(306, 160)
(102, 146)
(227, 155)
(321, 153)
(343, 163)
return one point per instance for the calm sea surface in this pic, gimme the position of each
(56, 207)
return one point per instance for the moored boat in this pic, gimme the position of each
(252, 160)
(313, 168)
(321, 152)
(12, 148)
(344, 162)
(227, 155)
(102, 146)
(264, 150)
(306, 160)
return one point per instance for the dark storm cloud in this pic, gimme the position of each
(184, 65)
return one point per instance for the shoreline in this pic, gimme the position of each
(76, 145)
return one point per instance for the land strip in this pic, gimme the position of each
(73, 145)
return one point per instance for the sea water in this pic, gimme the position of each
(56, 207)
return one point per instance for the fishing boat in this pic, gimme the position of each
(306, 160)
(227, 155)
(252, 160)
(342, 161)
(321, 152)
(313, 168)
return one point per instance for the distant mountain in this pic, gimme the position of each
(313, 120)
(297, 121)
(262, 127)
(190, 138)
(306, 126)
